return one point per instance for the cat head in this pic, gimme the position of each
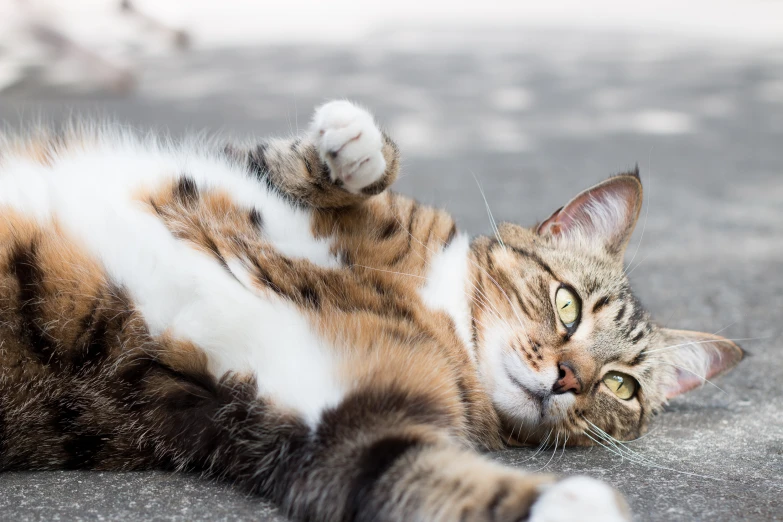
(563, 345)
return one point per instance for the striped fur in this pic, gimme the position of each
(273, 316)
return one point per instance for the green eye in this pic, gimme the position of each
(567, 306)
(622, 385)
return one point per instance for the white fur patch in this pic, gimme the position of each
(514, 385)
(23, 189)
(446, 286)
(176, 288)
(579, 498)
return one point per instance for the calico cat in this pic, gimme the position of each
(273, 316)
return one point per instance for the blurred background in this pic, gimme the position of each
(497, 88)
(535, 100)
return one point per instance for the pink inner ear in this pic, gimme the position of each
(720, 356)
(606, 212)
(686, 381)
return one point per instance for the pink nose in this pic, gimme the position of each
(566, 380)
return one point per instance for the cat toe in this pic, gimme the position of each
(350, 143)
(580, 498)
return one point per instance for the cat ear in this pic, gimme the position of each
(605, 213)
(695, 357)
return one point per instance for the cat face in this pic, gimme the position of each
(564, 347)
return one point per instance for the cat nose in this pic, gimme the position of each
(566, 380)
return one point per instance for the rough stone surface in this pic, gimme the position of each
(535, 119)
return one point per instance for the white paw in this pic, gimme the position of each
(579, 498)
(350, 143)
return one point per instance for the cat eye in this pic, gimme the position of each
(568, 306)
(622, 385)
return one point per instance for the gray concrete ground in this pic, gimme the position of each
(536, 117)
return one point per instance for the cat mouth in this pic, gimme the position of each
(539, 399)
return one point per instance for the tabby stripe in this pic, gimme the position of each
(536, 259)
(362, 409)
(310, 296)
(620, 314)
(600, 303)
(30, 277)
(376, 187)
(256, 219)
(258, 164)
(215, 249)
(450, 236)
(95, 343)
(391, 228)
(373, 463)
(522, 304)
(640, 357)
(259, 168)
(404, 252)
(478, 294)
(186, 191)
(497, 499)
(633, 321)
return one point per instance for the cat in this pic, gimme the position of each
(275, 317)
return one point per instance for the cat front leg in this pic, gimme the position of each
(343, 159)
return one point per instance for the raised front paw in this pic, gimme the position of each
(350, 143)
(579, 498)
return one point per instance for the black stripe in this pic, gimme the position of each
(535, 258)
(640, 357)
(479, 291)
(450, 236)
(257, 162)
(263, 277)
(620, 314)
(521, 303)
(497, 499)
(256, 219)
(30, 277)
(591, 286)
(377, 187)
(636, 317)
(376, 460)
(212, 246)
(95, 341)
(601, 303)
(186, 191)
(325, 175)
(404, 252)
(391, 228)
(636, 338)
(363, 408)
(310, 296)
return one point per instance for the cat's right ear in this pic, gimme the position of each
(605, 214)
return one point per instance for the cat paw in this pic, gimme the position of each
(579, 498)
(350, 143)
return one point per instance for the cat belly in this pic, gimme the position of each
(96, 202)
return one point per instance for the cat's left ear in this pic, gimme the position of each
(605, 214)
(695, 357)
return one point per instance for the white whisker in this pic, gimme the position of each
(493, 224)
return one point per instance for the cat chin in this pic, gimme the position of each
(534, 415)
